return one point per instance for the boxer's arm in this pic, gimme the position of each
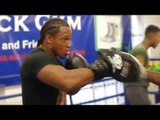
(68, 81)
(153, 77)
(61, 99)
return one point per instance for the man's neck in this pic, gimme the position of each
(47, 50)
(146, 43)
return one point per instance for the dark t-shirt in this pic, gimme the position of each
(35, 92)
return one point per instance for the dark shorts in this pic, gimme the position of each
(137, 95)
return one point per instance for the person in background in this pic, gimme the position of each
(136, 92)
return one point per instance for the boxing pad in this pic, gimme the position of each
(142, 70)
(122, 66)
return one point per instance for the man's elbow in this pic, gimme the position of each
(70, 90)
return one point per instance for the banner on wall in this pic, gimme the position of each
(19, 35)
(108, 31)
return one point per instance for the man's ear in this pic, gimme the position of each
(152, 35)
(48, 38)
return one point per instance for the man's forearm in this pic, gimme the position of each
(69, 81)
(153, 77)
(80, 77)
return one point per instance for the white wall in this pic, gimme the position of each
(136, 30)
(11, 90)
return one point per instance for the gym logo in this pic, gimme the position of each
(112, 33)
(116, 62)
(125, 69)
(108, 32)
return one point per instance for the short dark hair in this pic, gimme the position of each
(151, 29)
(52, 27)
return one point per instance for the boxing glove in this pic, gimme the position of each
(99, 67)
(76, 61)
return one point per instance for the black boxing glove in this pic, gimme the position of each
(76, 61)
(123, 67)
(99, 67)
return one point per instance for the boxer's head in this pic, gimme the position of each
(152, 33)
(55, 37)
